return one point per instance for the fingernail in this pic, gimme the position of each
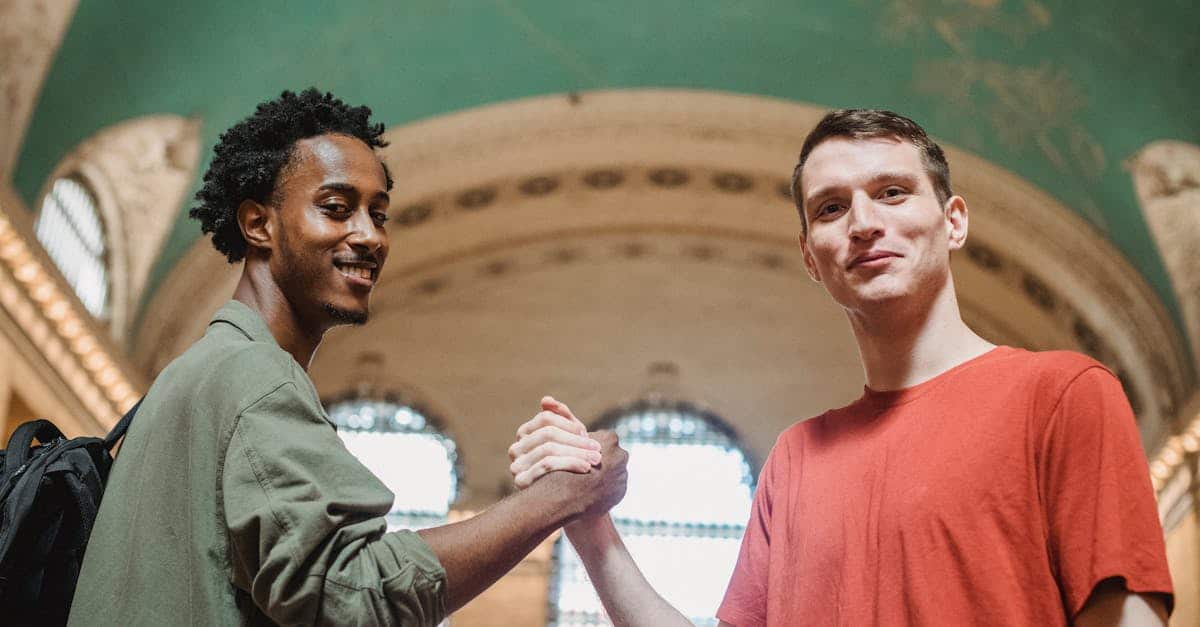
(595, 457)
(594, 444)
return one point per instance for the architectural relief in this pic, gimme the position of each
(1166, 175)
(140, 172)
(30, 32)
(488, 193)
(61, 333)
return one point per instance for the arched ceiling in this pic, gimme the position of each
(568, 245)
(1060, 96)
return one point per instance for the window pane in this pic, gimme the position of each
(683, 516)
(412, 458)
(685, 483)
(69, 228)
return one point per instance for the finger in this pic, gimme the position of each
(550, 464)
(549, 403)
(548, 419)
(552, 435)
(556, 432)
(551, 449)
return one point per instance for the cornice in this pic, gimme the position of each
(62, 331)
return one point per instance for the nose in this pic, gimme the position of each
(864, 220)
(365, 235)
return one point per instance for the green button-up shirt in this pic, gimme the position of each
(234, 502)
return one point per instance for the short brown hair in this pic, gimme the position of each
(870, 123)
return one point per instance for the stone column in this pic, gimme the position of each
(1166, 175)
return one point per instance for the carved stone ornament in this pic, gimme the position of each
(1166, 175)
(140, 171)
(30, 33)
(653, 164)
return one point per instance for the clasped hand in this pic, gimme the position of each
(555, 440)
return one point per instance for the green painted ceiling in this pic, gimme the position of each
(1057, 95)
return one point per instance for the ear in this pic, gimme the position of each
(956, 222)
(254, 220)
(810, 264)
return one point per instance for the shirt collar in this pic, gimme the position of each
(246, 320)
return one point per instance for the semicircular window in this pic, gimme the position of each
(691, 484)
(405, 447)
(69, 228)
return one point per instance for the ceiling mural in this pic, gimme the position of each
(1061, 97)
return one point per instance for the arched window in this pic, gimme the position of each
(404, 447)
(683, 516)
(69, 228)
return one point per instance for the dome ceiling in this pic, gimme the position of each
(1060, 97)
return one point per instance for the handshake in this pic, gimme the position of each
(592, 482)
(555, 440)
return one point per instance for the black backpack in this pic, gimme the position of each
(49, 497)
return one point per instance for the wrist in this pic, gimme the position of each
(559, 505)
(592, 534)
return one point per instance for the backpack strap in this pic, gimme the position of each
(122, 426)
(22, 438)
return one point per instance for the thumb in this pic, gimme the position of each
(549, 403)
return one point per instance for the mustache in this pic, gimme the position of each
(363, 258)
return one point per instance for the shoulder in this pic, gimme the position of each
(1060, 363)
(1063, 368)
(1057, 383)
(233, 369)
(791, 441)
(1047, 372)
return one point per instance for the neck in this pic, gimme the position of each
(904, 344)
(258, 290)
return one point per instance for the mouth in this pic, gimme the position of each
(874, 258)
(358, 273)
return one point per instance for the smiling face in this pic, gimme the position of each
(876, 229)
(331, 206)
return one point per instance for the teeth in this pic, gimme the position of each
(361, 273)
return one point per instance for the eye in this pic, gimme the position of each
(336, 208)
(829, 209)
(893, 192)
(379, 217)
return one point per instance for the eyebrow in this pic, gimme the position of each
(350, 189)
(876, 178)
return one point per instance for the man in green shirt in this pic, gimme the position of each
(232, 500)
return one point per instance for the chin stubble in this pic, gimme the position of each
(342, 316)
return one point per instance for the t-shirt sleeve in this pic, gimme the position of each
(1102, 519)
(306, 527)
(745, 602)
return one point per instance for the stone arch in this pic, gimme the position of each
(687, 188)
(1166, 175)
(139, 172)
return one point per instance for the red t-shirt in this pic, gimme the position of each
(997, 493)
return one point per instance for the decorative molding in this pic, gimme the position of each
(140, 172)
(30, 33)
(1163, 169)
(478, 188)
(1116, 308)
(986, 251)
(61, 329)
(1180, 453)
(1166, 175)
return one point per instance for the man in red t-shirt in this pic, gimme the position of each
(970, 484)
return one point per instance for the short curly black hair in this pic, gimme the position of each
(250, 155)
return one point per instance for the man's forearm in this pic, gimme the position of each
(627, 597)
(478, 551)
